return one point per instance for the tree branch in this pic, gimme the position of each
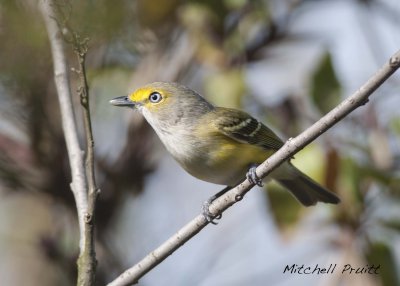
(291, 147)
(83, 176)
(87, 260)
(75, 154)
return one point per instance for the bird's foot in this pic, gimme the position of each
(210, 217)
(251, 175)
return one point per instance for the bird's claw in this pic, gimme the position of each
(210, 217)
(252, 176)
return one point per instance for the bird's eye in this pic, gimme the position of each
(155, 97)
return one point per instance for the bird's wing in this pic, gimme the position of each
(242, 127)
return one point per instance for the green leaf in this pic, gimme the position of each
(311, 161)
(284, 207)
(225, 88)
(325, 87)
(351, 178)
(393, 224)
(395, 126)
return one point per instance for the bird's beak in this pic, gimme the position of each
(122, 101)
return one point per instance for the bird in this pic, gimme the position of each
(217, 144)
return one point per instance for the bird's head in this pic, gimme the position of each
(164, 101)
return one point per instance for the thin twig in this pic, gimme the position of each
(75, 153)
(291, 147)
(87, 260)
(83, 176)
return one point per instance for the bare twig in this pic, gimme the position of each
(75, 154)
(83, 179)
(291, 147)
(87, 260)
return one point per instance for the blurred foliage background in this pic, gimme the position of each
(287, 62)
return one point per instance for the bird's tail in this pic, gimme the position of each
(307, 191)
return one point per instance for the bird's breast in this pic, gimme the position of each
(209, 156)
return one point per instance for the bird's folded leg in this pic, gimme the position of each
(206, 206)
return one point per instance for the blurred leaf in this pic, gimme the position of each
(380, 150)
(235, 4)
(311, 161)
(153, 13)
(381, 254)
(102, 20)
(284, 207)
(381, 176)
(24, 49)
(393, 224)
(234, 45)
(325, 87)
(225, 88)
(202, 25)
(394, 186)
(218, 8)
(368, 172)
(395, 126)
(196, 17)
(354, 182)
(350, 180)
(350, 186)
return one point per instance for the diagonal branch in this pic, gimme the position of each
(291, 147)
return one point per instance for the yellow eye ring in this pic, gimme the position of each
(155, 97)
